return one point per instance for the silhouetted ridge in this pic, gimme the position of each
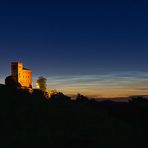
(31, 120)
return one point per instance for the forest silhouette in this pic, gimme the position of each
(31, 120)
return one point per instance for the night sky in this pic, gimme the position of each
(97, 48)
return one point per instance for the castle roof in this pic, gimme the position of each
(26, 69)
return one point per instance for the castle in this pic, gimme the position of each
(22, 75)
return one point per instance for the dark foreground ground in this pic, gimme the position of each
(31, 121)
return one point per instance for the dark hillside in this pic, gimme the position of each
(32, 121)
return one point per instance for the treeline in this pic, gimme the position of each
(31, 120)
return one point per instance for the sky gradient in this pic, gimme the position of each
(97, 48)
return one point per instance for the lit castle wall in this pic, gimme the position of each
(23, 75)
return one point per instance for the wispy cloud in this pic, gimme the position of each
(105, 85)
(113, 84)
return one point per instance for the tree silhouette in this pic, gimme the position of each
(11, 81)
(42, 83)
(59, 97)
(81, 98)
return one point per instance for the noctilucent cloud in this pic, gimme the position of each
(98, 48)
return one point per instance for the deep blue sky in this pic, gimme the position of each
(74, 38)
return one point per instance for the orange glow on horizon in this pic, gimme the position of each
(111, 93)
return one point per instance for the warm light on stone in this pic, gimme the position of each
(23, 75)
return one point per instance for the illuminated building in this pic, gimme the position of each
(22, 75)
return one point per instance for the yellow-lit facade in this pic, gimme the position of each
(23, 75)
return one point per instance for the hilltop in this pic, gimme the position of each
(31, 120)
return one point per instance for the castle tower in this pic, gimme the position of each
(23, 75)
